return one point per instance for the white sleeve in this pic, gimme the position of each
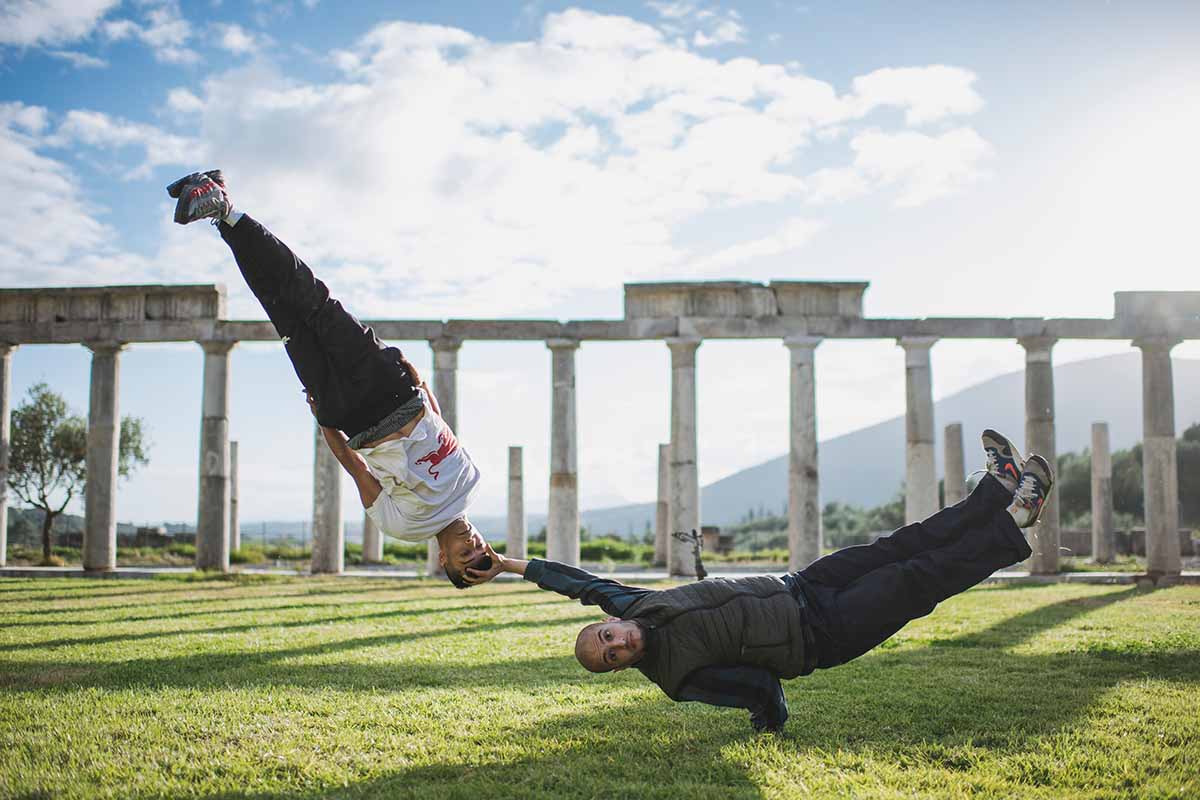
(386, 515)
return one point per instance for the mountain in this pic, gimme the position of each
(866, 467)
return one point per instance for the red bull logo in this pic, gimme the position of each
(447, 444)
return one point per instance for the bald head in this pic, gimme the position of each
(610, 645)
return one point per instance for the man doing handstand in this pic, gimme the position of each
(378, 417)
(728, 642)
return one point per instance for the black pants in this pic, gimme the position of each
(355, 379)
(860, 596)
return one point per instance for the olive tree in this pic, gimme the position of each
(47, 461)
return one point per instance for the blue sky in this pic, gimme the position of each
(491, 159)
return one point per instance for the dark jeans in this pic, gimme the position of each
(355, 380)
(860, 596)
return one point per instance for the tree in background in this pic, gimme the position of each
(1074, 483)
(47, 456)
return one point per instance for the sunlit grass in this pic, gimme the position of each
(289, 687)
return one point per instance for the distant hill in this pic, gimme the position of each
(866, 467)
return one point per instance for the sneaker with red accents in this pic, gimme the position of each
(1032, 491)
(201, 195)
(1004, 461)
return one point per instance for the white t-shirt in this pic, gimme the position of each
(428, 479)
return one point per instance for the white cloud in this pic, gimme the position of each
(448, 175)
(100, 130)
(53, 222)
(163, 29)
(724, 32)
(789, 237)
(30, 23)
(927, 94)
(925, 167)
(456, 176)
(182, 100)
(78, 60)
(238, 40)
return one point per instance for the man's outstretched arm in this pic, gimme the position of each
(591, 590)
(752, 688)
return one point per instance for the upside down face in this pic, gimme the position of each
(610, 645)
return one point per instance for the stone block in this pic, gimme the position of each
(699, 299)
(819, 299)
(112, 304)
(1157, 305)
(744, 299)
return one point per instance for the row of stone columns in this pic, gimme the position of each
(679, 495)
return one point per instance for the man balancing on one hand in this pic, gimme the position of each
(378, 417)
(728, 642)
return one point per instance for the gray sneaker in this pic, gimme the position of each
(201, 195)
(1004, 461)
(1030, 497)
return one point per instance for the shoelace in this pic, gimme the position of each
(1029, 491)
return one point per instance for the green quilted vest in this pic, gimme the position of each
(748, 621)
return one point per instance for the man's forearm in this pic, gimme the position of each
(514, 565)
(368, 485)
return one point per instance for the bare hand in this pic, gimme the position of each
(474, 577)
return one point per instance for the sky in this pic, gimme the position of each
(525, 159)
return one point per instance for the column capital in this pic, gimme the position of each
(916, 342)
(445, 344)
(562, 344)
(683, 342)
(216, 347)
(1166, 343)
(6, 348)
(1037, 348)
(801, 342)
(105, 347)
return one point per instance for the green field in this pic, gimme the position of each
(291, 687)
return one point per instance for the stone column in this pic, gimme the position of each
(562, 523)
(955, 482)
(103, 443)
(1103, 546)
(328, 538)
(5, 441)
(372, 541)
(212, 515)
(515, 543)
(804, 498)
(1159, 466)
(685, 478)
(445, 388)
(235, 527)
(1040, 439)
(662, 508)
(920, 476)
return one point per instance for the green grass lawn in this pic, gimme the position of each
(290, 687)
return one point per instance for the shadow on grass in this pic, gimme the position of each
(267, 623)
(158, 587)
(894, 703)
